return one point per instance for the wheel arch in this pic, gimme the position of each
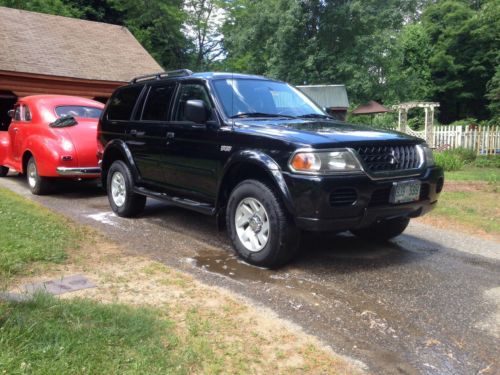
(256, 165)
(117, 150)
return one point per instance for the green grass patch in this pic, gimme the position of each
(31, 233)
(472, 173)
(50, 336)
(475, 209)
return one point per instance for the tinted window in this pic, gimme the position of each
(158, 102)
(121, 104)
(78, 111)
(188, 92)
(27, 113)
(17, 113)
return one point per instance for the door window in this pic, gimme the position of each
(27, 113)
(122, 103)
(187, 92)
(17, 113)
(158, 103)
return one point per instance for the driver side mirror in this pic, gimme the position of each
(10, 113)
(196, 111)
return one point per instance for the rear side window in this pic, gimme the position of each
(158, 103)
(122, 103)
(17, 113)
(27, 113)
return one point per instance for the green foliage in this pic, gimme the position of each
(490, 161)
(52, 336)
(30, 234)
(448, 161)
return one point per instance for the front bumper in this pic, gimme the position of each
(77, 172)
(316, 210)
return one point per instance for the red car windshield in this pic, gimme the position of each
(78, 111)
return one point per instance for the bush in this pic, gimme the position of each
(449, 161)
(455, 159)
(490, 161)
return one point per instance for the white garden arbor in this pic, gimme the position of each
(428, 107)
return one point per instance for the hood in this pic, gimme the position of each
(321, 132)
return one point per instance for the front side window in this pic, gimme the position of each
(190, 91)
(247, 97)
(78, 111)
(122, 103)
(158, 103)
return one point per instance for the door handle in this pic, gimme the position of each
(170, 135)
(15, 130)
(133, 132)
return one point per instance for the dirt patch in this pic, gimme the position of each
(467, 186)
(246, 337)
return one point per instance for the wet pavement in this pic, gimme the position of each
(427, 302)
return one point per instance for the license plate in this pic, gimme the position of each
(405, 191)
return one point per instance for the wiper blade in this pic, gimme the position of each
(315, 115)
(259, 114)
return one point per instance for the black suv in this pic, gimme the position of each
(261, 156)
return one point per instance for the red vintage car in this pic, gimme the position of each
(51, 136)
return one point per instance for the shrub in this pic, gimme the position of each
(465, 154)
(490, 161)
(448, 161)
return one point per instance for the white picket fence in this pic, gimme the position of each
(482, 139)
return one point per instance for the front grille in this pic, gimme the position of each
(389, 157)
(343, 197)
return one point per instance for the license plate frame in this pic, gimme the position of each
(405, 191)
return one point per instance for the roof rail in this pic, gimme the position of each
(160, 75)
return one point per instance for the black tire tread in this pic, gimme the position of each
(3, 171)
(134, 203)
(43, 184)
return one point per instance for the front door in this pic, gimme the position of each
(15, 130)
(193, 150)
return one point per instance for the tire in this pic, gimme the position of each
(123, 201)
(384, 230)
(269, 217)
(38, 185)
(3, 171)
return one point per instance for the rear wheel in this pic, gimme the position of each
(3, 171)
(38, 185)
(124, 202)
(383, 230)
(260, 229)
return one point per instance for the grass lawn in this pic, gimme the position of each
(31, 234)
(470, 200)
(143, 318)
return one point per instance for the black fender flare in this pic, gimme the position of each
(109, 155)
(263, 161)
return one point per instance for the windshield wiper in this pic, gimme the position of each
(259, 114)
(316, 115)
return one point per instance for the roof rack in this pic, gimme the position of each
(160, 75)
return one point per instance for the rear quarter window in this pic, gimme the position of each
(122, 103)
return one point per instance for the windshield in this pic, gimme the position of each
(78, 111)
(262, 98)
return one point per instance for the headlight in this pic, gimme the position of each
(324, 162)
(429, 156)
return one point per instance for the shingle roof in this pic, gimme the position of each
(370, 108)
(53, 45)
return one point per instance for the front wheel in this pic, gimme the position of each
(261, 231)
(123, 201)
(383, 230)
(39, 185)
(3, 171)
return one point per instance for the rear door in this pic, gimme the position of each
(148, 134)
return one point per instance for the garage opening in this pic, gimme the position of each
(7, 101)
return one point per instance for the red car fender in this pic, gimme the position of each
(47, 153)
(4, 147)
